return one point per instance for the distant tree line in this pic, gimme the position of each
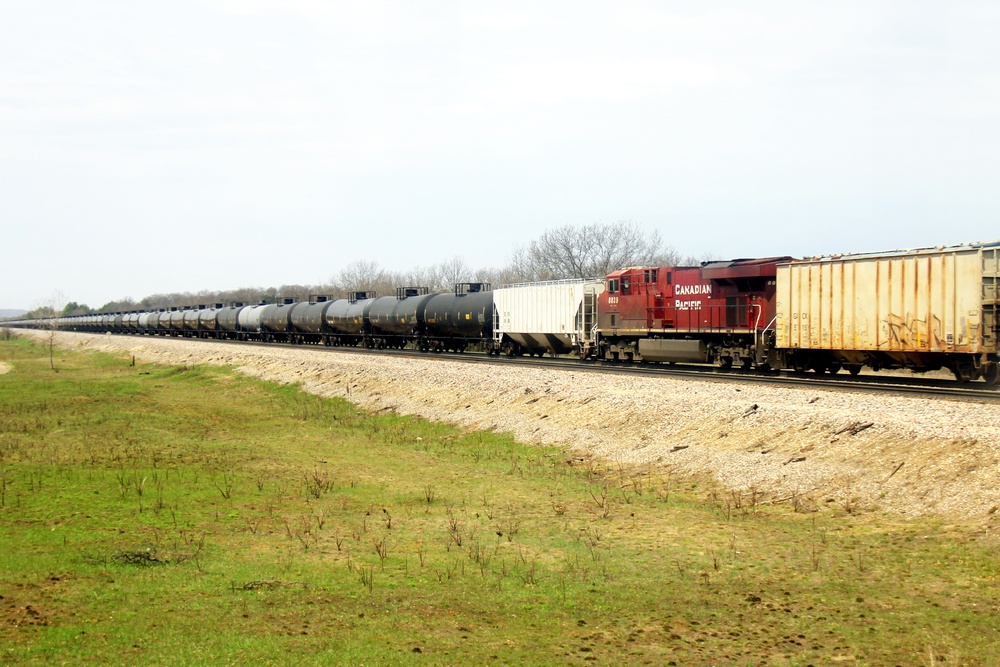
(589, 251)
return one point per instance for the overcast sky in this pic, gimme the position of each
(177, 146)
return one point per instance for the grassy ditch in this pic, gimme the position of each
(188, 515)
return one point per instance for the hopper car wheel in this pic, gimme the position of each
(962, 371)
(833, 367)
(854, 369)
(991, 373)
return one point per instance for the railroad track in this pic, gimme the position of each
(868, 383)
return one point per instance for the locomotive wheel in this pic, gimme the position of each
(725, 362)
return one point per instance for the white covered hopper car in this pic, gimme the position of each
(556, 316)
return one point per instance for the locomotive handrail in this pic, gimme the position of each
(716, 314)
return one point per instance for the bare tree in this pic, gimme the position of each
(52, 310)
(588, 251)
(361, 275)
(453, 271)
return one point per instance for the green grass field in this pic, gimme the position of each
(170, 515)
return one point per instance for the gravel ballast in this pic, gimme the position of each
(913, 456)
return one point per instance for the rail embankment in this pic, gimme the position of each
(811, 447)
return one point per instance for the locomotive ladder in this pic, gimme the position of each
(587, 331)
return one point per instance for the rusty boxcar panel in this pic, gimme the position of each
(927, 300)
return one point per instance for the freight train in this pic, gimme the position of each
(924, 309)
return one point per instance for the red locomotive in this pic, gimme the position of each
(721, 312)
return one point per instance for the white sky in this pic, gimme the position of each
(168, 146)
